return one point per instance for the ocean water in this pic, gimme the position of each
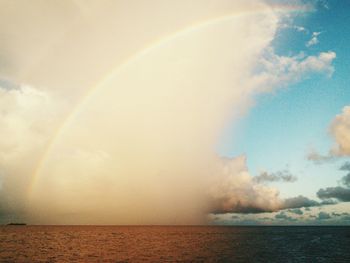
(173, 244)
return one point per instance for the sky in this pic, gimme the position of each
(200, 112)
(298, 117)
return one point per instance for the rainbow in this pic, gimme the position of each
(131, 59)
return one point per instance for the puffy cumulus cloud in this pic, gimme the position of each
(282, 70)
(139, 149)
(236, 190)
(340, 130)
(279, 176)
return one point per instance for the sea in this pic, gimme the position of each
(174, 244)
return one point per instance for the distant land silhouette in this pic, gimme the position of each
(17, 224)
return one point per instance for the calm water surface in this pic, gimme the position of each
(173, 244)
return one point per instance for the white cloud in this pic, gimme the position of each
(233, 189)
(318, 158)
(278, 176)
(295, 27)
(27, 118)
(144, 141)
(314, 39)
(340, 130)
(282, 70)
(300, 28)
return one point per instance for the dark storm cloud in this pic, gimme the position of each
(323, 216)
(345, 167)
(346, 180)
(241, 209)
(248, 222)
(339, 193)
(279, 176)
(8, 215)
(299, 201)
(284, 216)
(335, 214)
(329, 202)
(296, 211)
(293, 204)
(281, 215)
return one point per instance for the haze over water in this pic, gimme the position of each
(174, 244)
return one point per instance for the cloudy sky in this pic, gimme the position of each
(174, 112)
